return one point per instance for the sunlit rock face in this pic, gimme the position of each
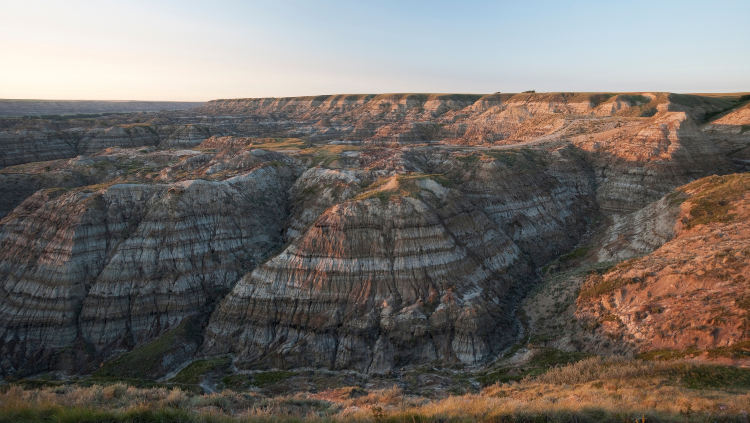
(364, 232)
(641, 163)
(685, 287)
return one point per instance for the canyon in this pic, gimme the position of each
(374, 233)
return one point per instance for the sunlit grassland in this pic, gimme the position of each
(594, 389)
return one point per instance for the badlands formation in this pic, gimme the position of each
(375, 232)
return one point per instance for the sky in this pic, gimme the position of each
(199, 50)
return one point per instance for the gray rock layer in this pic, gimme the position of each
(115, 267)
(374, 285)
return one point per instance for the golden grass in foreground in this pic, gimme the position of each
(593, 390)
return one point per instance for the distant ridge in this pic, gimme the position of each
(19, 107)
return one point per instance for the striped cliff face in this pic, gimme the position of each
(114, 266)
(381, 249)
(374, 284)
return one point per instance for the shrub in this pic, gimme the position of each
(192, 374)
(596, 289)
(269, 378)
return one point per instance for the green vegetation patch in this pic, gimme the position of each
(144, 361)
(601, 287)
(468, 159)
(735, 351)
(405, 186)
(676, 198)
(576, 254)
(712, 376)
(192, 374)
(269, 378)
(241, 382)
(713, 197)
(273, 144)
(635, 99)
(597, 99)
(237, 382)
(543, 360)
(325, 155)
(524, 158)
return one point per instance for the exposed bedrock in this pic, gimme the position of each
(390, 251)
(691, 292)
(16, 187)
(387, 118)
(543, 200)
(317, 190)
(731, 133)
(185, 136)
(375, 284)
(49, 143)
(640, 232)
(640, 164)
(111, 268)
(457, 118)
(40, 142)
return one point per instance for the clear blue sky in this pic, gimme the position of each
(191, 50)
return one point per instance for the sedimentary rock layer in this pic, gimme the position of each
(113, 267)
(692, 291)
(640, 164)
(375, 284)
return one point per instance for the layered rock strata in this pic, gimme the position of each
(71, 107)
(691, 292)
(543, 200)
(731, 132)
(409, 237)
(375, 284)
(639, 164)
(113, 267)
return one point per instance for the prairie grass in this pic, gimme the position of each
(594, 389)
(712, 198)
(325, 155)
(400, 186)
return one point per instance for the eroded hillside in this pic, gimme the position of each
(371, 232)
(682, 292)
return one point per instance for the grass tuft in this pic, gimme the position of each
(193, 373)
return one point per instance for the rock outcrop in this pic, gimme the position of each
(364, 232)
(731, 132)
(543, 200)
(692, 291)
(378, 283)
(641, 163)
(112, 267)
